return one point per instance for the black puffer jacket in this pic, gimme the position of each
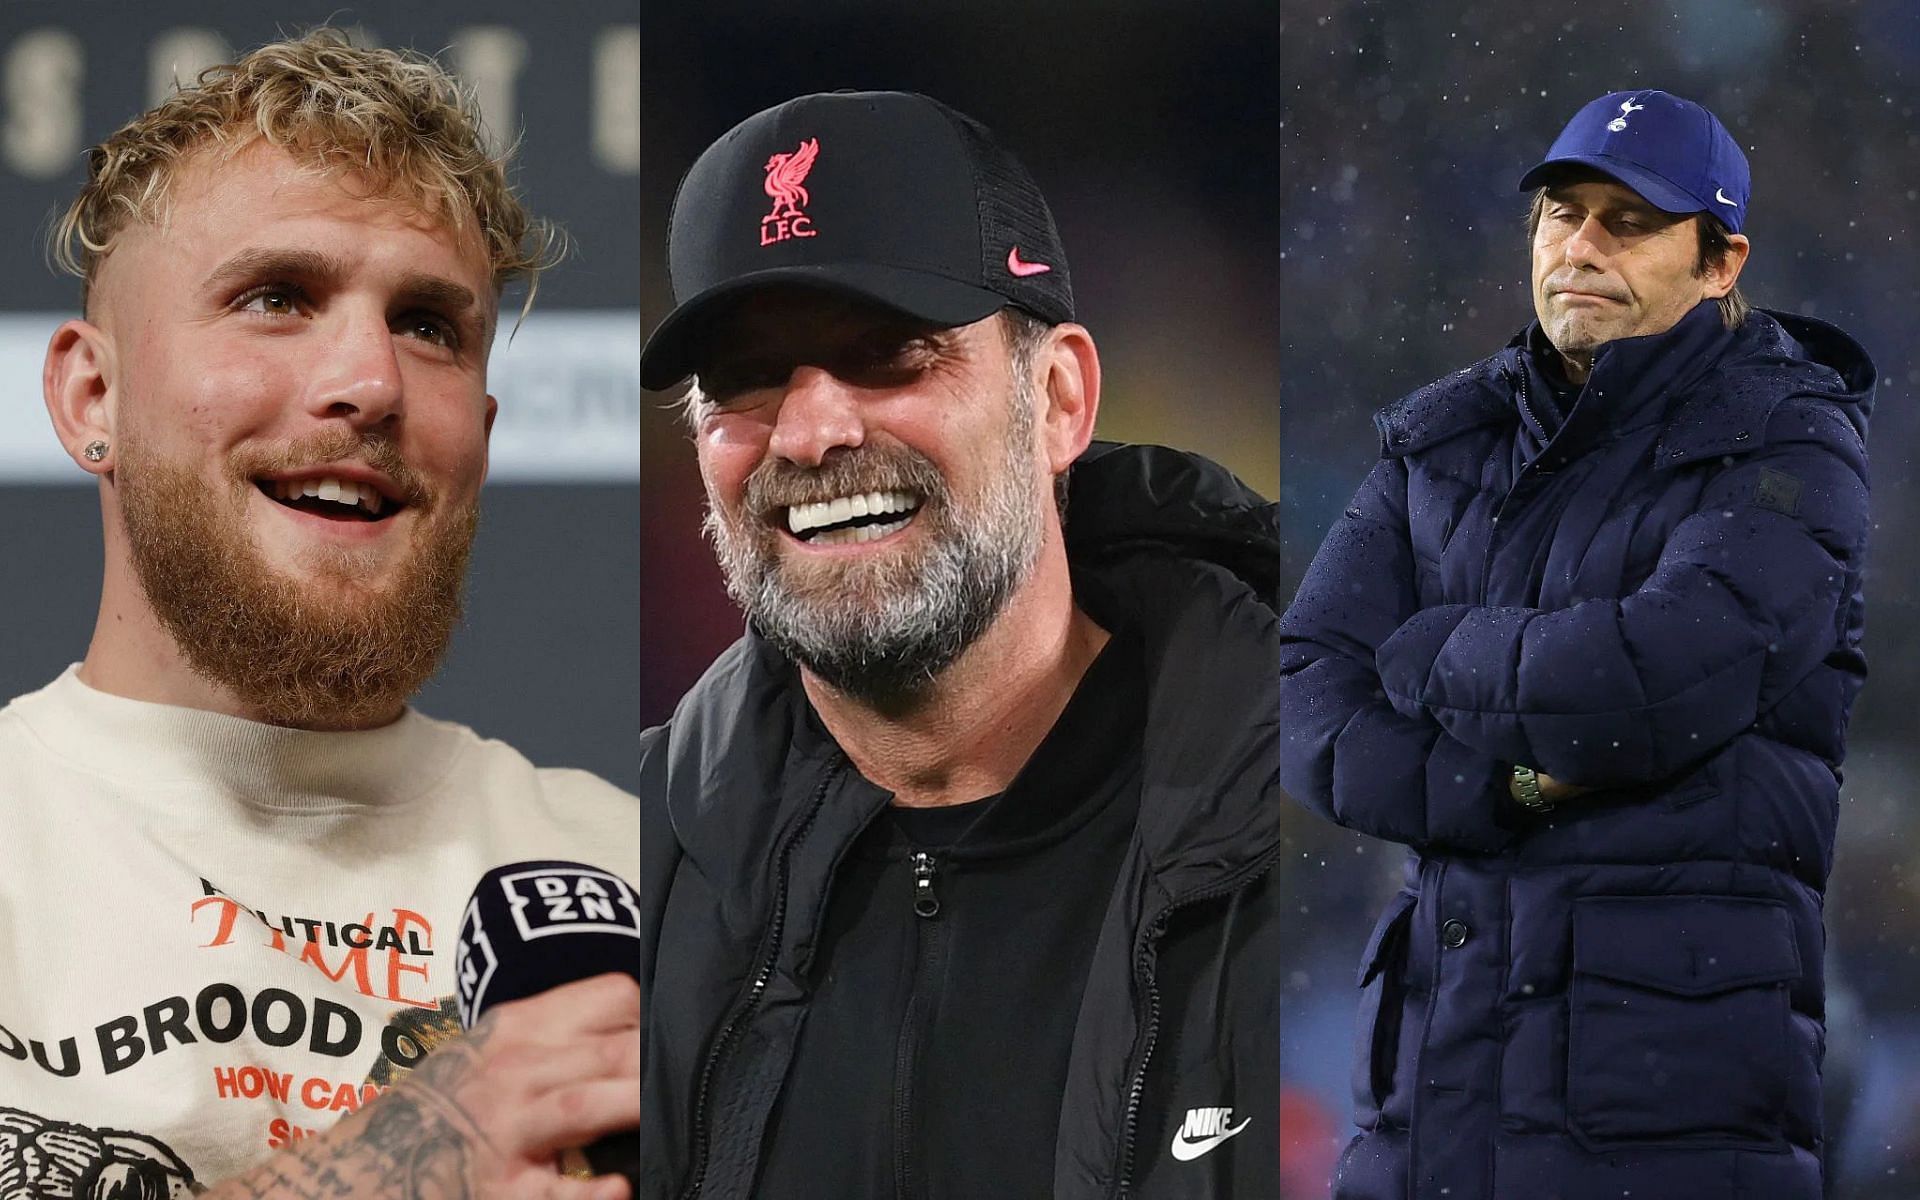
(743, 825)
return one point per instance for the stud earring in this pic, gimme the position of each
(95, 451)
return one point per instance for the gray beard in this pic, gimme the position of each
(882, 632)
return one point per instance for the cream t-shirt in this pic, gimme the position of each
(217, 937)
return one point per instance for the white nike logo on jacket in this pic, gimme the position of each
(1204, 1129)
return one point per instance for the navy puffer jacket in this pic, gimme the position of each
(1662, 601)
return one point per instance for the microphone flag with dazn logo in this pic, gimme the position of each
(532, 926)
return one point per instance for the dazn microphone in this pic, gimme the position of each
(532, 926)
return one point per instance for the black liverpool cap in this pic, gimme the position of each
(889, 196)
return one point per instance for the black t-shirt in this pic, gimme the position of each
(934, 1051)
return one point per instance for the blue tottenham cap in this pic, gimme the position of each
(1673, 152)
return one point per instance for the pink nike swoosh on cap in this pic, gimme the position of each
(1024, 269)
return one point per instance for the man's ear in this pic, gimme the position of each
(1069, 379)
(486, 436)
(1723, 273)
(77, 383)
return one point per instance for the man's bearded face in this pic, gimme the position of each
(315, 650)
(298, 388)
(883, 621)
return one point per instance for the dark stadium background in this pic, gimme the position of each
(1152, 133)
(1406, 127)
(547, 656)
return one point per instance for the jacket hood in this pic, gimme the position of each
(1732, 383)
(1164, 542)
(1127, 499)
(1190, 557)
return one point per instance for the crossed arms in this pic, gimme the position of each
(1404, 722)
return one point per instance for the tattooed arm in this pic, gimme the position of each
(487, 1114)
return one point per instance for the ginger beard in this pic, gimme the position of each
(883, 627)
(306, 652)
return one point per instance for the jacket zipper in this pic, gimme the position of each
(1519, 480)
(926, 902)
(745, 1007)
(928, 958)
(1143, 967)
(1526, 406)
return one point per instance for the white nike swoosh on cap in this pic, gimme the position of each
(1721, 195)
(1186, 1151)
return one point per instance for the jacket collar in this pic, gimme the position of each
(1714, 388)
(1637, 381)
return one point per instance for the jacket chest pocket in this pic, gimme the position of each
(1679, 1021)
(1376, 1028)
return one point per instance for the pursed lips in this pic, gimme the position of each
(1587, 293)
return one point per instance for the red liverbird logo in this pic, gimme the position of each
(786, 177)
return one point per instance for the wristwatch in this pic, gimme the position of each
(1525, 789)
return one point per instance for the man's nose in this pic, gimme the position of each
(1586, 246)
(818, 413)
(358, 378)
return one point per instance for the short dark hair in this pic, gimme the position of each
(1713, 233)
(1026, 334)
(1714, 247)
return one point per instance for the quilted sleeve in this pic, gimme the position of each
(1746, 601)
(1346, 752)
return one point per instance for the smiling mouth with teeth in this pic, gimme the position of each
(335, 499)
(849, 520)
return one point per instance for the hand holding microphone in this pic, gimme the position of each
(546, 984)
(534, 931)
(534, 1079)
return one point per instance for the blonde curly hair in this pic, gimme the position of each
(395, 119)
